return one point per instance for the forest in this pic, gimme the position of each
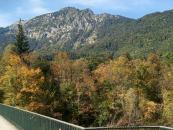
(88, 91)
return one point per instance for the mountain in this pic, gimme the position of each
(69, 29)
(84, 33)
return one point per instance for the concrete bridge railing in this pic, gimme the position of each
(26, 120)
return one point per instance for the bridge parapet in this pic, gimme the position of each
(26, 120)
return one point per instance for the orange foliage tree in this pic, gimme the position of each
(23, 85)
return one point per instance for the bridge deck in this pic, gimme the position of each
(6, 125)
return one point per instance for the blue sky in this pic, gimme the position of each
(13, 10)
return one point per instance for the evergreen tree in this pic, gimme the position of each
(22, 45)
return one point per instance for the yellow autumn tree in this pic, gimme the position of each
(113, 80)
(22, 84)
(167, 92)
(131, 90)
(75, 83)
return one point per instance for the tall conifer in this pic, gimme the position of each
(22, 45)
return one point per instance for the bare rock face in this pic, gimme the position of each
(83, 33)
(67, 29)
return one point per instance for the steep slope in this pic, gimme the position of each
(68, 29)
(151, 33)
(84, 33)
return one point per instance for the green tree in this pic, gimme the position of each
(21, 44)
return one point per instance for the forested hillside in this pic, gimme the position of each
(123, 91)
(91, 91)
(83, 33)
(90, 70)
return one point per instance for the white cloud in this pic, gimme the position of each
(121, 5)
(89, 2)
(32, 8)
(103, 4)
(5, 20)
(37, 7)
(29, 8)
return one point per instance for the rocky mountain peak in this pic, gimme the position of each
(14, 25)
(89, 11)
(69, 9)
(67, 29)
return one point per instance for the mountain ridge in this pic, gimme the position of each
(78, 22)
(85, 33)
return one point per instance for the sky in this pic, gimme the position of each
(12, 10)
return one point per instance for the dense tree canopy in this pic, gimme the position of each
(115, 92)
